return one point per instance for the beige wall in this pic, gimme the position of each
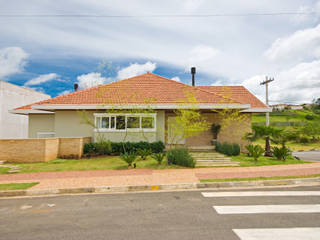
(28, 150)
(41, 149)
(232, 134)
(40, 123)
(69, 124)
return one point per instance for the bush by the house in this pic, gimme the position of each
(144, 153)
(281, 153)
(159, 157)
(180, 156)
(117, 148)
(255, 151)
(129, 157)
(228, 149)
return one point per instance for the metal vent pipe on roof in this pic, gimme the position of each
(193, 72)
(75, 86)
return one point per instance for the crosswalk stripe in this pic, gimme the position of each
(257, 194)
(252, 209)
(278, 233)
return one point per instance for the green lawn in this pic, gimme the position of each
(17, 186)
(98, 163)
(286, 116)
(258, 178)
(4, 170)
(293, 145)
(246, 161)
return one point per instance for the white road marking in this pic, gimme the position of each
(278, 233)
(258, 194)
(252, 209)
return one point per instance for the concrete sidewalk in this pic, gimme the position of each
(100, 178)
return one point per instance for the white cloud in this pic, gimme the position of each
(42, 79)
(176, 79)
(91, 80)
(202, 53)
(303, 45)
(12, 60)
(299, 84)
(64, 92)
(136, 69)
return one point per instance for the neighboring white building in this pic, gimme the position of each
(12, 96)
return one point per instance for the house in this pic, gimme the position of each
(279, 107)
(295, 107)
(119, 111)
(12, 96)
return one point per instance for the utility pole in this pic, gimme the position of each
(266, 82)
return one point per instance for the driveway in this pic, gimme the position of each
(308, 155)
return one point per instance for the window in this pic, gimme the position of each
(133, 122)
(125, 121)
(147, 122)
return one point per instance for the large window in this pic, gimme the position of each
(123, 122)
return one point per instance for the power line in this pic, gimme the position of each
(154, 15)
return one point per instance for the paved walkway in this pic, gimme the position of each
(99, 178)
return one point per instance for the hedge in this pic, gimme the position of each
(117, 148)
(228, 149)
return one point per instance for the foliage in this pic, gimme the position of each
(118, 148)
(316, 104)
(180, 156)
(264, 132)
(188, 121)
(255, 151)
(159, 157)
(281, 153)
(311, 129)
(215, 129)
(282, 137)
(309, 117)
(228, 149)
(144, 153)
(129, 157)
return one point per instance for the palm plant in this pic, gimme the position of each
(129, 157)
(264, 132)
(281, 153)
(255, 151)
(158, 156)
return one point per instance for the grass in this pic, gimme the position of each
(17, 186)
(98, 163)
(246, 161)
(258, 178)
(4, 170)
(293, 145)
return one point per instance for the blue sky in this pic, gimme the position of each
(50, 54)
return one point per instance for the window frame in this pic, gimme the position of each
(98, 117)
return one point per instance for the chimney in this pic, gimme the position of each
(75, 86)
(193, 72)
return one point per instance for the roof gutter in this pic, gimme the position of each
(29, 111)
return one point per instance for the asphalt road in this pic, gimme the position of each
(159, 215)
(308, 155)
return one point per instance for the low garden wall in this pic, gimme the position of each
(42, 149)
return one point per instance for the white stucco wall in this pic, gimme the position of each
(12, 96)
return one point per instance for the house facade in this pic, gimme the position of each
(12, 96)
(140, 108)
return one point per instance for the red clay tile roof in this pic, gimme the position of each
(238, 93)
(147, 88)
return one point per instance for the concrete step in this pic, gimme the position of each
(220, 161)
(209, 158)
(217, 165)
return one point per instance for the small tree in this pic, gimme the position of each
(255, 151)
(264, 132)
(215, 129)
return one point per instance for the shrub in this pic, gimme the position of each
(158, 156)
(281, 153)
(309, 117)
(255, 151)
(117, 148)
(104, 147)
(228, 149)
(89, 148)
(215, 129)
(180, 156)
(303, 140)
(129, 157)
(157, 147)
(144, 153)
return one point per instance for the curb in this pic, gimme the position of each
(166, 187)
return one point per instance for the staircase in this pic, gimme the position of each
(212, 159)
